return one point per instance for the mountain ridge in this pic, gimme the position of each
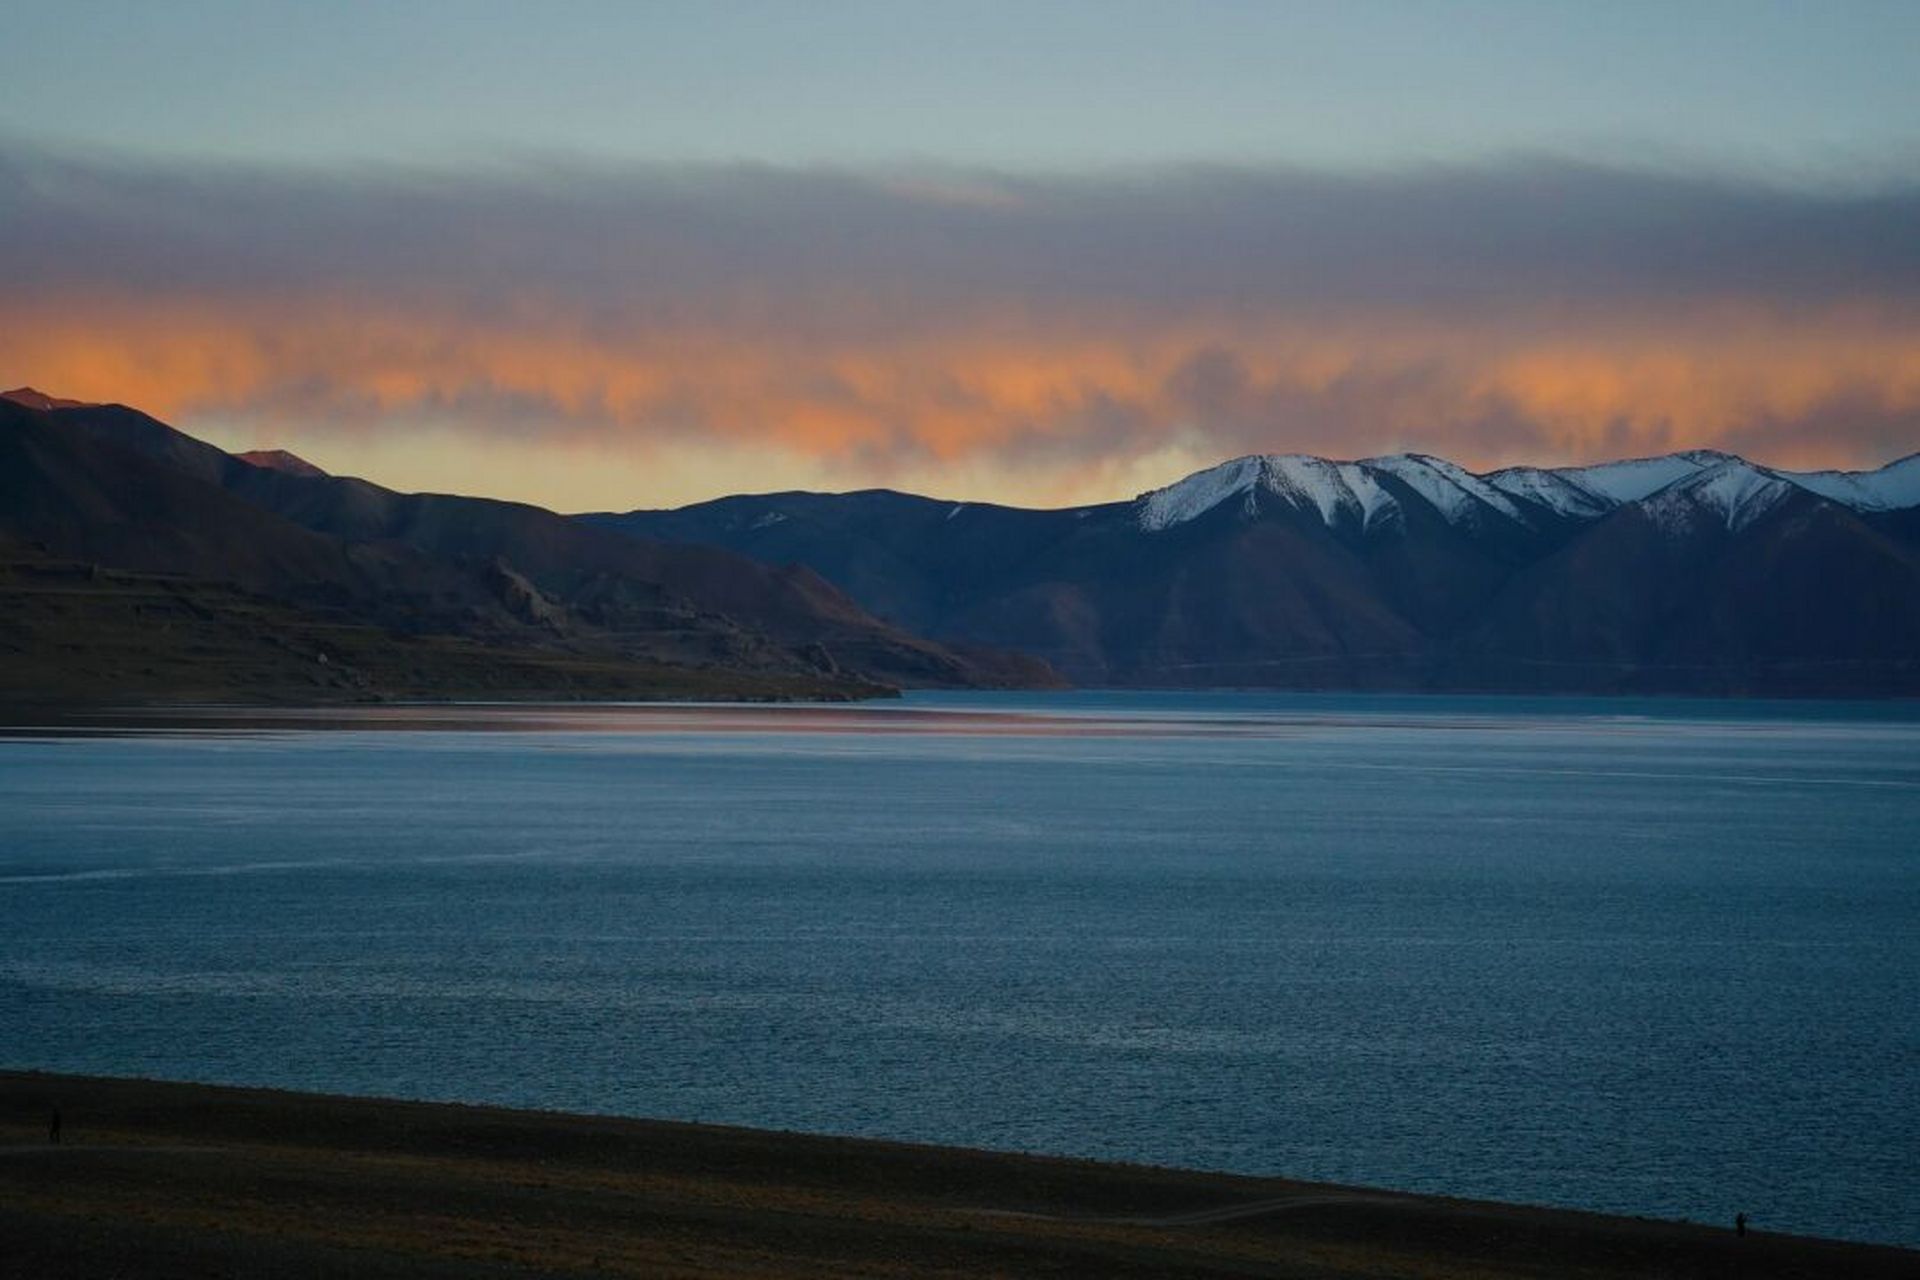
(1336, 484)
(1691, 572)
(112, 487)
(280, 460)
(1405, 571)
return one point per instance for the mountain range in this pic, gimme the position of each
(1695, 572)
(111, 520)
(137, 559)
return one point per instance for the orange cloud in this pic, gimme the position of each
(1051, 395)
(967, 334)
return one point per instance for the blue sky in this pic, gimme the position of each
(1049, 85)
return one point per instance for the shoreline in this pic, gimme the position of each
(154, 1178)
(1145, 711)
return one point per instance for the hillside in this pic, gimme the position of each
(107, 486)
(165, 1180)
(1693, 573)
(74, 633)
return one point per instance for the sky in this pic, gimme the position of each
(619, 255)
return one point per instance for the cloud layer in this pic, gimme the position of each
(971, 333)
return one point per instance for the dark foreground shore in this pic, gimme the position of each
(153, 1179)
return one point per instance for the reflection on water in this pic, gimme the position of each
(1093, 714)
(1650, 957)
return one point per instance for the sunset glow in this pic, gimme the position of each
(1022, 409)
(603, 326)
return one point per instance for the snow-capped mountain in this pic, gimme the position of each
(1347, 495)
(1632, 479)
(1734, 493)
(1554, 490)
(1343, 493)
(1374, 493)
(1697, 572)
(1892, 488)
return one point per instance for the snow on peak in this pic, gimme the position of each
(1550, 489)
(1636, 478)
(1345, 495)
(1340, 493)
(1676, 487)
(1891, 488)
(1453, 490)
(1735, 491)
(1199, 493)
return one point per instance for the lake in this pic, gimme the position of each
(1659, 958)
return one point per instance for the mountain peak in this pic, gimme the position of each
(32, 399)
(1338, 492)
(1361, 496)
(1631, 479)
(1890, 488)
(1454, 491)
(1735, 490)
(280, 460)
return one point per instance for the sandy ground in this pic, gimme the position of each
(179, 1180)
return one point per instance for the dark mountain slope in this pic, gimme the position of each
(86, 498)
(34, 399)
(544, 572)
(1254, 594)
(617, 583)
(129, 578)
(908, 559)
(1695, 572)
(280, 460)
(1804, 600)
(1080, 588)
(1223, 601)
(74, 633)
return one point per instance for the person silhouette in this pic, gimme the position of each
(1740, 1224)
(53, 1127)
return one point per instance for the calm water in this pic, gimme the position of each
(1654, 958)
